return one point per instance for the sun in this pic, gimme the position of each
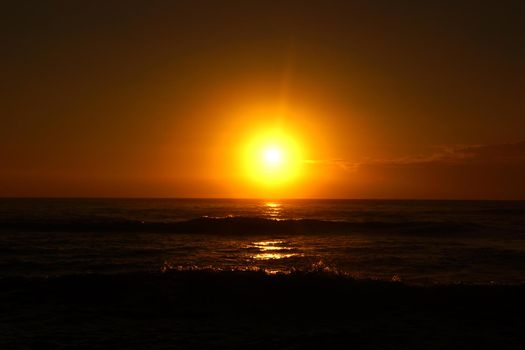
(273, 158)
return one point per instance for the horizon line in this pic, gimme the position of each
(262, 198)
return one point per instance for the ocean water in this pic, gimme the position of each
(418, 242)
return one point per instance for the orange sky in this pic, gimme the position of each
(147, 98)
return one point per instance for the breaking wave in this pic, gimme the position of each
(249, 226)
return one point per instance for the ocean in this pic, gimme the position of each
(414, 241)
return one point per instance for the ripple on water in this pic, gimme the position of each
(273, 250)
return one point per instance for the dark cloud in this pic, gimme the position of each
(510, 153)
(451, 172)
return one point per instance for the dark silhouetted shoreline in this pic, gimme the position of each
(249, 309)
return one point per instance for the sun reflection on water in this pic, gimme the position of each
(272, 250)
(270, 245)
(272, 256)
(273, 210)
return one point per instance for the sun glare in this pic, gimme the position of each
(273, 158)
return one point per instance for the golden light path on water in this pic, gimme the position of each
(272, 249)
(273, 210)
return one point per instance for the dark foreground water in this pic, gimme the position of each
(245, 274)
(418, 242)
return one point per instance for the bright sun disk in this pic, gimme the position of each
(272, 158)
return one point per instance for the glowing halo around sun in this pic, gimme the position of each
(273, 158)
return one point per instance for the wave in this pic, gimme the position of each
(318, 271)
(250, 226)
(240, 309)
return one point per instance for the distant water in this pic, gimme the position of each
(420, 242)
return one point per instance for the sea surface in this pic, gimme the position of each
(417, 242)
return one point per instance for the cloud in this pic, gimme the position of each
(509, 153)
(450, 172)
(341, 163)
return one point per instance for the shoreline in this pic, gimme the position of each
(239, 309)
